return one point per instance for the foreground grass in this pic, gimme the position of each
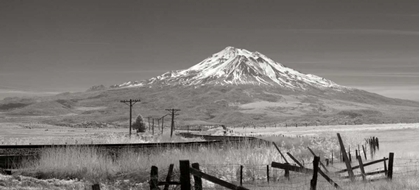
(98, 165)
(401, 182)
(133, 166)
(94, 164)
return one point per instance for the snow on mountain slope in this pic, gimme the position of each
(234, 66)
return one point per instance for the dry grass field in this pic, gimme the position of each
(32, 133)
(130, 170)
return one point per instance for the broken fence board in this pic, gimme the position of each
(215, 180)
(365, 164)
(169, 183)
(291, 168)
(369, 173)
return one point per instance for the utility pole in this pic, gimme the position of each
(153, 126)
(173, 111)
(158, 123)
(163, 119)
(148, 122)
(130, 103)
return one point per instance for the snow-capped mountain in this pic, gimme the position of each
(128, 84)
(234, 66)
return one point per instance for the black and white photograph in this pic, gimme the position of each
(209, 94)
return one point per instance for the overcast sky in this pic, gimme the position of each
(61, 45)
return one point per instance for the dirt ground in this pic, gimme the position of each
(24, 134)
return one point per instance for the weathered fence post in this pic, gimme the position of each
(349, 156)
(198, 185)
(315, 174)
(362, 168)
(184, 179)
(386, 171)
(390, 165)
(240, 176)
(168, 177)
(96, 187)
(268, 174)
(364, 151)
(348, 165)
(153, 183)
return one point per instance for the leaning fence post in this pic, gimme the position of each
(184, 179)
(198, 185)
(96, 187)
(364, 151)
(153, 183)
(322, 165)
(281, 154)
(268, 174)
(287, 173)
(362, 168)
(386, 171)
(240, 176)
(295, 160)
(168, 177)
(348, 165)
(315, 174)
(390, 165)
(349, 156)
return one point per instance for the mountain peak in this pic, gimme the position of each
(235, 66)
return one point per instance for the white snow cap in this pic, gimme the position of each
(240, 66)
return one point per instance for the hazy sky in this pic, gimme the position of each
(61, 45)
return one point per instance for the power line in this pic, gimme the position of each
(173, 111)
(130, 103)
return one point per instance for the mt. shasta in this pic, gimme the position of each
(234, 66)
(233, 87)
